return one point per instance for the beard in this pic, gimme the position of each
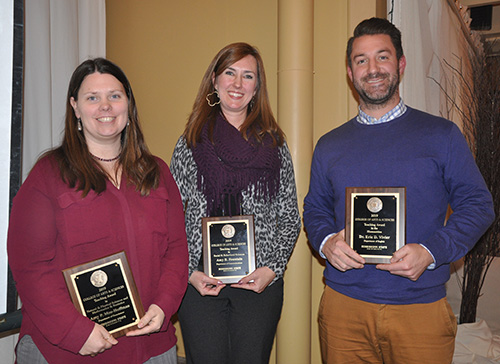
(381, 95)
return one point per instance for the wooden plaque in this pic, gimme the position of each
(104, 290)
(228, 247)
(375, 221)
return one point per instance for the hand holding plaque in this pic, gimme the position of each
(104, 290)
(228, 247)
(375, 221)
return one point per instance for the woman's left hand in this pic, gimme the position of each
(256, 281)
(150, 323)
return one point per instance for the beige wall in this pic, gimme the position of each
(165, 47)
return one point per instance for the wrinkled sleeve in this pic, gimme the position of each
(174, 262)
(288, 217)
(470, 201)
(319, 218)
(32, 250)
(185, 175)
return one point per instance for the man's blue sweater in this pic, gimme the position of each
(429, 156)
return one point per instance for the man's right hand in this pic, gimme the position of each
(341, 255)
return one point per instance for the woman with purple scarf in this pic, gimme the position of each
(233, 160)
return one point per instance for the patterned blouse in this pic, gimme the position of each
(277, 223)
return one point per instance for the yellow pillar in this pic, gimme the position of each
(358, 11)
(295, 115)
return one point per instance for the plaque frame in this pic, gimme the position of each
(207, 222)
(120, 258)
(399, 193)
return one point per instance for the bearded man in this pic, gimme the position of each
(394, 312)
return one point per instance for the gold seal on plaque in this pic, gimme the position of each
(99, 278)
(374, 204)
(228, 231)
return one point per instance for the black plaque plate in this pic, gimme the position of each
(228, 247)
(376, 221)
(104, 290)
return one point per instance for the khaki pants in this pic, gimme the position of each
(354, 331)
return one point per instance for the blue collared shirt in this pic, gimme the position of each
(398, 110)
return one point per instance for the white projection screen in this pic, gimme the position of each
(11, 92)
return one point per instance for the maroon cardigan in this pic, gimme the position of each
(52, 228)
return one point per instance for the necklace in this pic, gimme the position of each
(104, 159)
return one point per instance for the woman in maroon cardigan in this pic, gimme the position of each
(99, 193)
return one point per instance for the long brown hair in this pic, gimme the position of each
(78, 168)
(259, 120)
(375, 26)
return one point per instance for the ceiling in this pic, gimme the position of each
(479, 2)
(492, 35)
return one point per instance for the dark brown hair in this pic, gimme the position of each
(78, 168)
(374, 26)
(259, 120)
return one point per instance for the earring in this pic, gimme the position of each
(80, 124)
(208, 98)
(252, 103)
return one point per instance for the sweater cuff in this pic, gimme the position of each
(433, 264)
(320, 250)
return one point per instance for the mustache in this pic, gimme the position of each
(373, 76)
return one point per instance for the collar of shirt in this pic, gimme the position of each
(398, 110)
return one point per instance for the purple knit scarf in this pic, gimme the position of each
(231, 165)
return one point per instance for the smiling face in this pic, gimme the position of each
(236, 86)
(102, 106)
(375, 72)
